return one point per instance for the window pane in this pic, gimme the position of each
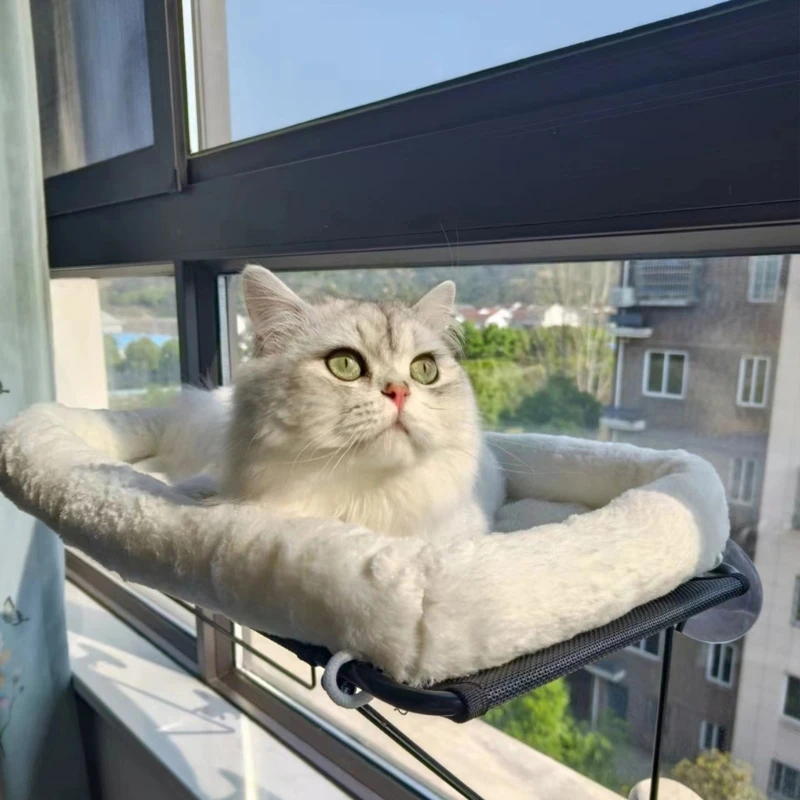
(736, 479)
(747, 380)
(675, 374)
(715, 660)
(797, 599)
(749, 480)
(727, 664)
(93, 81)
(655, 381)
(792, 705)
(115, 345)
(760, 388)
(273, 65)
(618, 701)
(652, 644)
(521, 331)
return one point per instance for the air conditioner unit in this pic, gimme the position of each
(622, 297)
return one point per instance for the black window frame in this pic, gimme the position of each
(438, 176)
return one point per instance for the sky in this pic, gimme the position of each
(291, 61)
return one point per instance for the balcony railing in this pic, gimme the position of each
(665, 282)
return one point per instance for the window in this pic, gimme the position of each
(741, 488)
(765, 273)
(753, 377)
(791, 703)
(652, 646)
(115, 345)
(712, 737)
(618, 700)
(377, 201)
(796, 604)
(666, 281)
(338, 58)
(784, 782)
(719, 667)
(665, 373)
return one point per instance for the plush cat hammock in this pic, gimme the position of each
(611, 541)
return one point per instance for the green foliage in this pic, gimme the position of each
(560, 406)
(541, 719)
(500, 386)
(113, 357)
(716, 776)
(151, 296)
(169, 361)
(142, 355)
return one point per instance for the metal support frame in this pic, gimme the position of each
(662, 710)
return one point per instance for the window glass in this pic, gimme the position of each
(796, 608)
(791, 706)
(115, 345)
(753, 371)
(543, 354)
(258, 67)
(655, 378)
(93, 81)
(785, 782)
(765, 274)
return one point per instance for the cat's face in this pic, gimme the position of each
(375, 385)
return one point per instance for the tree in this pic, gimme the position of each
(541, 719)
(113, 357)
(561, 407)
(169, 362)
(716, 776)
(142, 355)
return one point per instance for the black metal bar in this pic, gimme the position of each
(662, 710)
(424, 758)
(596, 141)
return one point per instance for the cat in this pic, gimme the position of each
(353, 410)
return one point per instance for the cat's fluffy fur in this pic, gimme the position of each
(306, 444)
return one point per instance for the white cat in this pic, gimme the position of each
(353, 410)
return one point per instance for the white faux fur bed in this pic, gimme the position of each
(421, 611)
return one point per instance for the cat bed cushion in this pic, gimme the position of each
(423, 611)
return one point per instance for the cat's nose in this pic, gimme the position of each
(397, 393)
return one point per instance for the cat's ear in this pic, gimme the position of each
(274, 309)
(438, 308)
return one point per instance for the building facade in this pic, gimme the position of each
(768, 712)
(697, 351)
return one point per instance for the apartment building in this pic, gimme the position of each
(768, 711)
(697, 351)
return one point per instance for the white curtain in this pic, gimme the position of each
(40, 749)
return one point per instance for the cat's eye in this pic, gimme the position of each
(346, 365)
(424, 370)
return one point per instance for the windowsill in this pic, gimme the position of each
(209, 746)
(790, 722)
(205, 742)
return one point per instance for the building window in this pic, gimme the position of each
(712, 737)
(791, 703)
(665, 373)
(618, 700)
(796, 512)
(666, 281)
(765, 273)
(753, 377)
(719, 668)
(742, 481)
(652, 646)
(784, 782)
(796, 604)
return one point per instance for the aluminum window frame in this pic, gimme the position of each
(740, 382)
(757, 263)
(735, 497)
(718, 680)
(668, 355)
